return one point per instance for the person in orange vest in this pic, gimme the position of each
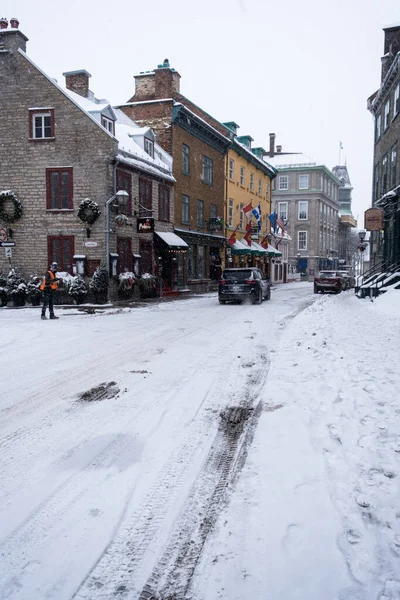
(48, 286)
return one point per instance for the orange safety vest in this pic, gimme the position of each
(53, 283)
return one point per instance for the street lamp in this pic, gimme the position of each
(120, 195)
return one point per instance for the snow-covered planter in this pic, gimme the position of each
(3, 290)
(126, 282)
(77, 289)
(17, 288)
(149, 285)
(34, 293)
(121, 220)
(88, 211)
(8, 197)
(99, 285)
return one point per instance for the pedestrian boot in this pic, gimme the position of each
(54, 317)
(44, 317)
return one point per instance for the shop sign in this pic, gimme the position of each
(255, 232)
(373, 219)
(145, 225)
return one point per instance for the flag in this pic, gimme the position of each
(264, 242)
(247, 209)
(232, 238)
(272, 218)
(341, 146)
(247, 237)
(280, 223)
(257, 213)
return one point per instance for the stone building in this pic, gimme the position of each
(384, 105)
(346, 220)
(305, 196)
(60, 146)
(198, 144)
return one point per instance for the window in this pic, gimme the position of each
(378, 125)
(60, 249)
(108, 124)
(200, 213)
(242, 176)
(231, 169)
(267, 188)
(393, 167)
(59, 189)
(149, 147)
(241, 215)
(207, 171)
(303, 182)
(283, 182)
(163, 202)
(303, 210)
(185, 159)
(252, 182)
(124, 183)
(230, 213)
(283, 210)
(200, 261)
(302, 240)
(259, 187)
(41, 126)
(384, 174)
(376, 182)
(186, 209)
(396, 101)
(125, 258)
(386, 115)
(145, 198)
(146, 252)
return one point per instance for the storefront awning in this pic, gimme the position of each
(172, 240)
(240, 248)
(259, 249)
(271, 251)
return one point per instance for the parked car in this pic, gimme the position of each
(329, 281)
(349, 279)
(246, 284)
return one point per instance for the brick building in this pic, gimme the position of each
(198, 144)
(384, 105)
(60, 146)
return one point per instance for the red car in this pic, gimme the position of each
(329, 281)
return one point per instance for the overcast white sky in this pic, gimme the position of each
(303, 70)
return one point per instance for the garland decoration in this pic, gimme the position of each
(88, 211)
(18, 207)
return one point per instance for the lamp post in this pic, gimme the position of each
(121, 194)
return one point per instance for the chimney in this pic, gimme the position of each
(279, 149)
(14, 23)
(78, 82)
(272, 137)
(3, 23)
(11, 39)
(391, 48)
(166, 81)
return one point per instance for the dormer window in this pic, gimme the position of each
(41, 124)
(149, 147)
(108, 124)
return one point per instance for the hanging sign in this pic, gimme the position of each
(145, 225)
(373, 219)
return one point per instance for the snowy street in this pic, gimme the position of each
(191, 450)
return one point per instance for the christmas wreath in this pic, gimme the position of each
(18, 208)
(88, 211)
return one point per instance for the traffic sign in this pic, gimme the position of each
(3, 234)
(7, 244)
(90, 244)
(8, 252)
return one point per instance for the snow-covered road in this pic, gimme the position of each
(192, 450)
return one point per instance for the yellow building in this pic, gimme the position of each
(248, 182)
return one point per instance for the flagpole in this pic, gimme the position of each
(340, 150)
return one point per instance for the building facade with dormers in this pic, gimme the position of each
(66, 146)
(305, 195)
(384, 105)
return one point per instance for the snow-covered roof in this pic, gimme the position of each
(294, 160)
(342, 173)
(171, 239)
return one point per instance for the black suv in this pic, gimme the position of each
(239, 285)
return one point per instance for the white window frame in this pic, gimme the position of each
(386, 115)
(260, 187)
(283, 210)
(267, 189)
(299, 210)
(107, 124)
(149, 147)
(283, 182)
(231, 169)
(306, 179)
(242, 176)
(241, 216)
(303, 244)
(42, 116)
(252, 182)
(230, 212)
(396, 100)
(378, 126)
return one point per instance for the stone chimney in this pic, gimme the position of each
(11, 38)
(391, 48)
(78, 82)
(272, 137)
(163, 82)
(279, 149)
